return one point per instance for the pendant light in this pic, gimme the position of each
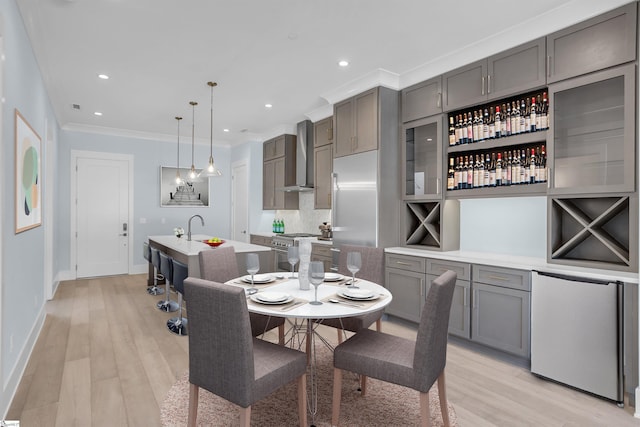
(193, 174)
(211, 169)
(179, 180)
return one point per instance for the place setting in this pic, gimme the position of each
(355, 297)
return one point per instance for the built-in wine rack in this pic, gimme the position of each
(594, 231)
(425, 226)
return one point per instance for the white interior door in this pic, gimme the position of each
(102, 217)
(239, 203)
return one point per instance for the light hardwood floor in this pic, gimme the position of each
(105, 357)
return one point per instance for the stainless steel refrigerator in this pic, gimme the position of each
(365, 203)
(576, 332)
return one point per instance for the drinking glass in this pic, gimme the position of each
(316, 276)
(354, 262)
(253, 266)
(293, 257)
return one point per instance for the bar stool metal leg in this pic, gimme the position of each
(178, 325)
(154, 259)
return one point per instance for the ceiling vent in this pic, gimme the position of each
(75, 106)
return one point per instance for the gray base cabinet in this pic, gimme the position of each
(490, 306)
(322, 253)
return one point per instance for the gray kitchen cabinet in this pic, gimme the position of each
(501, 308)
(405, 279)
(322, 252)
(279, 170)
(356, 124)
(323, 132)
(594, 131)
(516, 70)
(598, 43)
(256, 239)
(322, 168)
(422, 159)
(422, 100)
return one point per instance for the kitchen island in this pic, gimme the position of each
(187, 252)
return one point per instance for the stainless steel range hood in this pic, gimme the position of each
(304, 159)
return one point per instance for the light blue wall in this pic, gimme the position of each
(148, 156)
(509, 225)
(22, 278)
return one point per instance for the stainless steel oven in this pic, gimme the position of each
(280, 244)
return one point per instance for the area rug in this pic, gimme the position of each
(384, 404)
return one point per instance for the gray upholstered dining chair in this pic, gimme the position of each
(226, 360)
(371, 270)
(414, 364)
(220, 265)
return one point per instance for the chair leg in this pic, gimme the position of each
(302, 400)
(337, 395)
(281, 334)
(444, 408)
(193, 405)
(425, 411)
(308, 343)
(379, 325)
(245, 416)
(363, 385)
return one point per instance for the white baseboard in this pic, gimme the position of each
(66, 275)
(10, 386)
(139, 269)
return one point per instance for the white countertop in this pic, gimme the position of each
(517, 262)
(193, 247)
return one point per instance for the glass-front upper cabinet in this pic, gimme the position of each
(422, 157)
(593, 133)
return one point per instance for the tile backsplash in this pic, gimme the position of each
(306, 219)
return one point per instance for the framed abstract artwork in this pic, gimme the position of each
(28, 175)
(187, 193)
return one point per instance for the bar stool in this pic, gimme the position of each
(166, 269)
(178, 325)
(155, 261)
(147, 253)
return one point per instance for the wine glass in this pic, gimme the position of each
(316, 276)
(354, 262)
(293, 257)
(253, 266)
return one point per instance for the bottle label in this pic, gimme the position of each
(452, 139)
(492, 178)
(543, 121)
(450, 183)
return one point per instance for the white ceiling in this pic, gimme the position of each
(161, 53)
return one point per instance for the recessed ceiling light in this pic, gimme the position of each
(97, 113)
(343, 63)
(225, 130)
(103, 76)
(268, 105)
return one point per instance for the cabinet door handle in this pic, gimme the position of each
(549, 177)
(403, 263)
(475, 299)
(439, 100)
(330, 134)
(489, 84)
(549, 66)
(499, 278)
(465, 303)
(437, 185)
(482, 88)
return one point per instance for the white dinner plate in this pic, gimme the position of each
(358, 294)
(333, 277)
(260, 299)
(258, 278)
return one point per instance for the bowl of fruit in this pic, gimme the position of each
(213, 242)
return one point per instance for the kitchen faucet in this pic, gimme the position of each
(189, 227)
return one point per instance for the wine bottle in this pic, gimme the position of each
(515, 168)
(465, 172)
(523, 117)
(469, 128)
(492, 170)
(470, 173)
(451, 175)
(538, 115)
(498, 171)
(532, 167)
(476, 136)
(498, 123)
(508, 119)
(524, 167)
(457, 129)
(508, 168)
(532, 115)
(476, 169)
(485, 124)
(527, 115)
(452, 132)
(492, 123)
(458, 176)
(487, 171)
(515, 111)
(481, 182)
(503, 121)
